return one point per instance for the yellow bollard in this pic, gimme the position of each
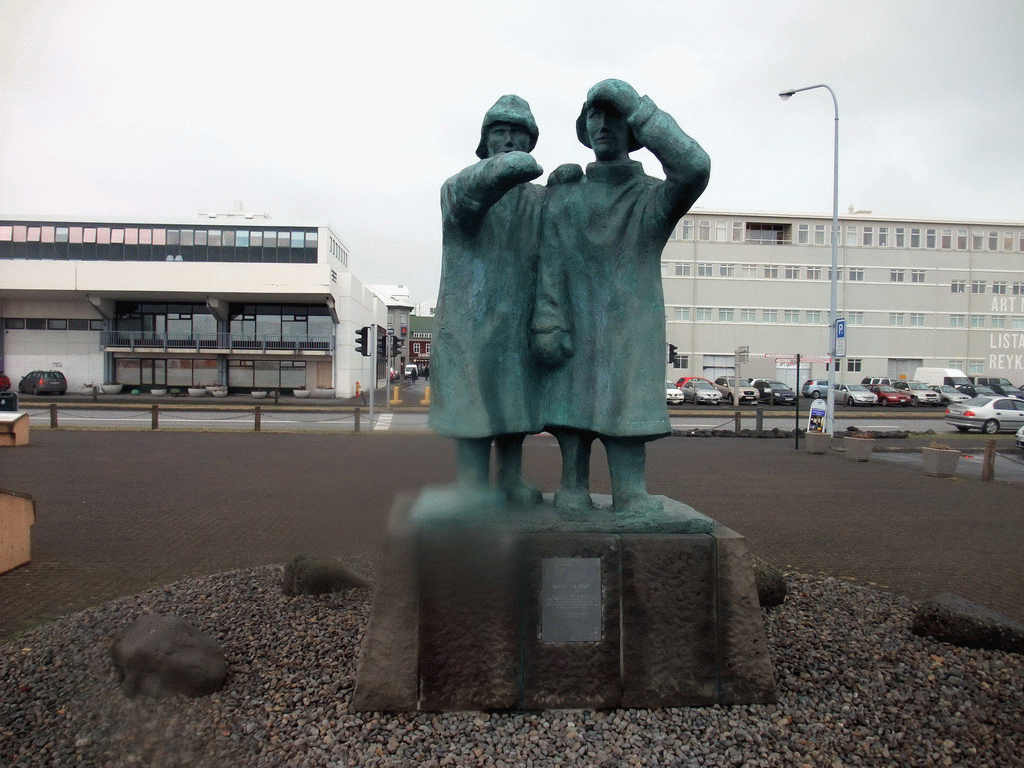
(395, 399)
(426, 396)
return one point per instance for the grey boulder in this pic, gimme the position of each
(157, 655)
(955, 620)
(771, 584)
(308, 575)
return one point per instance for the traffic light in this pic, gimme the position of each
(671, 354)
(396, 346)
(382, 344)
(362, 345)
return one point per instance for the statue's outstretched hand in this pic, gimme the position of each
(552, 348)
(619, 93)
(567, 173)
(517, 167)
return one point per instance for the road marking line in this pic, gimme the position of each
(383, 421)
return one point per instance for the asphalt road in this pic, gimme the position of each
(120, 511)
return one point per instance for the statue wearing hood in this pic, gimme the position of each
(483, 376)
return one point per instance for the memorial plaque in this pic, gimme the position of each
(570, 600)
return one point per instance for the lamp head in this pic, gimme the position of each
(786, 94)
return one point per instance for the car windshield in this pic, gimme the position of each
(856, 388)
(978, 401)
(703, 385)
(779, 386)
(670, 385)
(886, 389)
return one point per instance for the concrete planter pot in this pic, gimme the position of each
(302, 393)
(940, 462)
(259, 394)
(197, 391)
(323, 393)
(817, 442)
(217, 391)
(858, 448)
(158, 392)
(111, 389)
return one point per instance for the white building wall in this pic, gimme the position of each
(892, 324)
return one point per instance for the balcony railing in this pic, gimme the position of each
(216, 342)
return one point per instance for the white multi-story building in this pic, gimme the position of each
(913, 293)
(225, 299)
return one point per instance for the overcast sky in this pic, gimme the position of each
(353, 114)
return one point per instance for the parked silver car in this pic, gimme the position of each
(988, 414)
(948, 394)
(701, 391)
(747, 394)
(855, 394)
(673, 394)
(920, 393)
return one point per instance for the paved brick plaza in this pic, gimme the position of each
(119, 512)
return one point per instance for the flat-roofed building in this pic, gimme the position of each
(912, 292)
(224, 299)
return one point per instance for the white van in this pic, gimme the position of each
(411, 370)
(950, 377)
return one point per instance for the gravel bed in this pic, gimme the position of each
(855, 687)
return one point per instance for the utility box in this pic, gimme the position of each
(8, 401)
(17, 513)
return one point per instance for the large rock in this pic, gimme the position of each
(308, 575)
(158, 655)
(958, 621)
(771, 584)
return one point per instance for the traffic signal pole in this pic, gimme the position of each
(373, 372)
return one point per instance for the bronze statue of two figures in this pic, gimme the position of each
(551, 317)
(550, 314)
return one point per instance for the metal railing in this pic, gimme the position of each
(208, 342)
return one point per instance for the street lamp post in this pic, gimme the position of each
(832, 306)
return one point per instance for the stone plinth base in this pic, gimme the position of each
(489, 609)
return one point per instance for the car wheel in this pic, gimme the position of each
(815, 394)
(961, 429)
(990, 427)
(729, 399)
(849, 401)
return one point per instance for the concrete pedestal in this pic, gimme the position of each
(13, 428)
(489, 609)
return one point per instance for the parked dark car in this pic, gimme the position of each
(774, 392)
(43, 383)
(5, 382)
(977, 390)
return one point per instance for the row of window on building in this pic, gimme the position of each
(818, 317)
(852, 274)
(203, 372)
(51, 324)
(238, 238)
(853, 235)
